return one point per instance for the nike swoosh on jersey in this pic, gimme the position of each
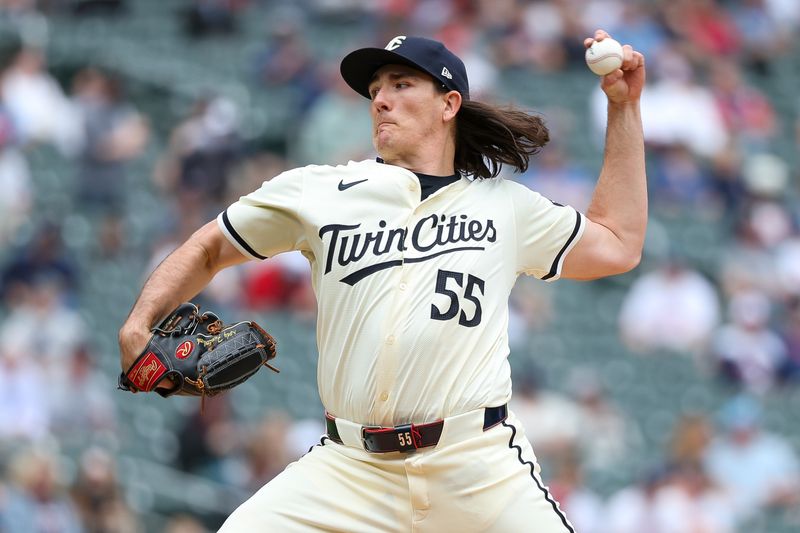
(344, 186)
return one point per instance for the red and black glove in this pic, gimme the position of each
(198, 355)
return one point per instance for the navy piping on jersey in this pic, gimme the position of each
(238, 237)
(535, 479)
(554, 267)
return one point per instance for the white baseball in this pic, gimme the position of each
(604, 57)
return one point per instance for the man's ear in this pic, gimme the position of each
(452, 101)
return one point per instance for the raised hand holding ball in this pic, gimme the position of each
(604, 57)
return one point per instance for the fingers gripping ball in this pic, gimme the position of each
(198, 355)
(604, 57)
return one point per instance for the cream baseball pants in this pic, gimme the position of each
(471, 481)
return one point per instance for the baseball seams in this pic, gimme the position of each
(608, 55)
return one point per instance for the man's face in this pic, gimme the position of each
(406, 110)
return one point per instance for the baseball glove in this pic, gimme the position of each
(198, 355)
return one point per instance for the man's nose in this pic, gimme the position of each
(381, 100)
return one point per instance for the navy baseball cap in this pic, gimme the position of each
(427, 55)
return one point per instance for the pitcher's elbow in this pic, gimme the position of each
(631, 261)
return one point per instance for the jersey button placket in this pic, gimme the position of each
(387, 375)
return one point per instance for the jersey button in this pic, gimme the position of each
(403, 286)
(390, 339)
(384, 396)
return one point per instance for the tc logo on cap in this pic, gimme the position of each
(395, 43)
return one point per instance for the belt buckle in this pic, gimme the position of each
(364, 436)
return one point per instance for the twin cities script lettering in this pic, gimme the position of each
(432, 236)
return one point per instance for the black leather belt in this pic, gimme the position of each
(409, 437)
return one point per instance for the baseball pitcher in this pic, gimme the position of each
(413, 256)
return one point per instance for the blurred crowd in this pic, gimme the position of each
(720, 155)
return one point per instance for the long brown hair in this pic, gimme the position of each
(490, 136)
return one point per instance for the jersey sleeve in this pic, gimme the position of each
(546, 232)
(267, 221)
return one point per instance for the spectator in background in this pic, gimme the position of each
(505, 37)
(676, 108)
(748, 259)
(255, 168)
(544, 27)
(266, 451)
(202, 154)
(690, 502)
(746, 350)
(690, 439)
(97, 496)
(285, 61)
(113, 242)
(757, 468)
(680, 181)
(207, 440)
(747, 113)
(24, 404)
(727, 183)
(43, 257)
(225, 292)
(334, 128)
(16, 185)
(531, 309)
(790, 372)
(605, 439)
(114, 135)
(672, 307)
(530, 35)
(80, 398)
(37, 103)
(459, 33)
(762, 36)
(282, 282)
(628, 22)
(37, 500)
(633, 509)
(43, 328)
(670, 500)
(582, 504)
(551, 420)
(766, 176)
(704, 28)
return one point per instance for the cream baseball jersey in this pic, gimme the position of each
(412, 294)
